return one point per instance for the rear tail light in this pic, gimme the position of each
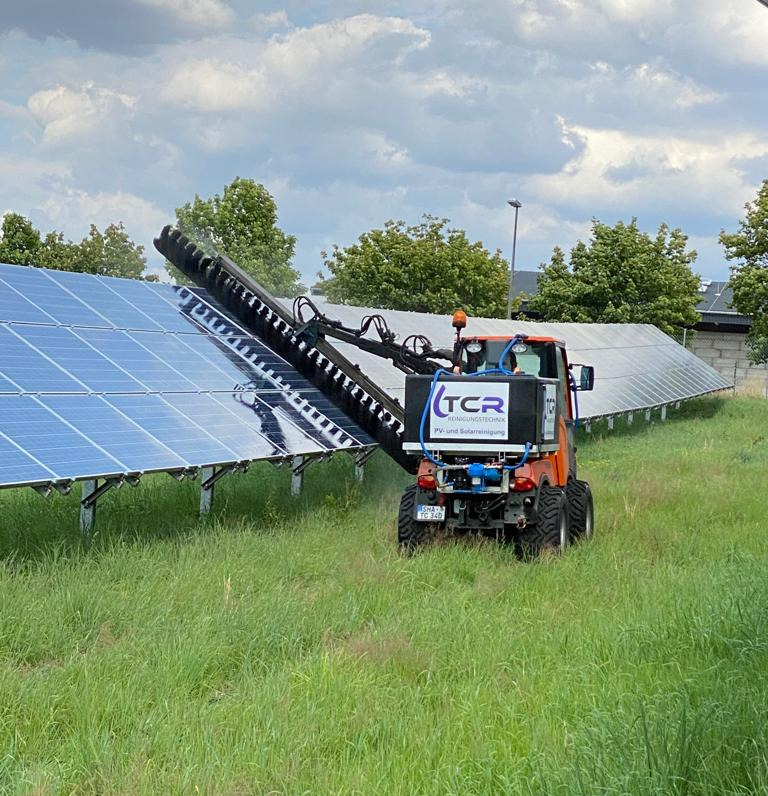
(427, 482)
(522, 484)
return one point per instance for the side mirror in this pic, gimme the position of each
(586, 379)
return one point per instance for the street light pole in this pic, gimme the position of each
(517, 205)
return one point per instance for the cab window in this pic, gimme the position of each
(535, 359)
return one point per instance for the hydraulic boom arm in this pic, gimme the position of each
(301, 340)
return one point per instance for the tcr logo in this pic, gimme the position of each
(467, 403)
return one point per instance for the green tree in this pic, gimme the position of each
(111, 253)
(622, 276)
(242, 223)
(20, 241)
(428, 267)
(57, 253)
(749, 278)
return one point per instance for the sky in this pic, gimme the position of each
(352, 113)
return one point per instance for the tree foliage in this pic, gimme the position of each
(428, 267)
(749, 279)
(242, 223)
(622, 276)
(109, 253)
(20, 243)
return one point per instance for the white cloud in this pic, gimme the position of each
(202, 13)
(216, 85)
(73, 210)
(630, 172)
(23, 173)
(728, 32)
(384, 152)
(277, 19)
(659, 87)
(67, 114)
(732, 32)
(448, 83)
(537, 224)
(301, 63)
(681, 92)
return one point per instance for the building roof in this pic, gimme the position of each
(715, 307)
(525, 282)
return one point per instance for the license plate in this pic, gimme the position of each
(430, 513)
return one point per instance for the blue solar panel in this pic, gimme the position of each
(59, 303)
(14, 307)
(47, 438)
(189, 358)
(103, 377)
(7, 385)
(94, 292)
(28, 368)
(193, 440)
(20, 468)
(139, 361)
(152, 301)
(95, 370)
(114, 433)
(234, 426)
(200, 306)
(276, 427)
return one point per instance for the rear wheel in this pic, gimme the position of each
(581, 510)
(550, 531)
(410, 533)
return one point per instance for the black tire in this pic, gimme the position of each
(410, 533)
(550, 531)
(581, 510)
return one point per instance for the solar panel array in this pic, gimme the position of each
(637, 366)
(104, 377)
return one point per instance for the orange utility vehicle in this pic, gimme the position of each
(487, 426)
(495, 436)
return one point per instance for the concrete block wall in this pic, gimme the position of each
(727, 353)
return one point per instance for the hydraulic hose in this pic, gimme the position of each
(522, 461)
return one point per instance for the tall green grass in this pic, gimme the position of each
(284, 646)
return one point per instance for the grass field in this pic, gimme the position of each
(284, 646)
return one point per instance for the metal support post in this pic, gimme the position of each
(91, 493)
(630, 418)
(588, 426)
(298, 465)
(206, 490)
(647, 415)
(610, 424)
(209, 477)
(88, 508)
(664, 412)
(677, 405)
(361, 460)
